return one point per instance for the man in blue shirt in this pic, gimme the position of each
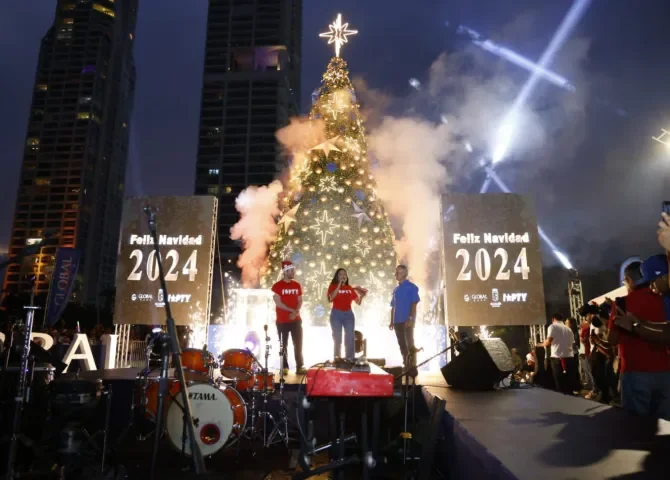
(403, 313)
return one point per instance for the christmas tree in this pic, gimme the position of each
(331, 215)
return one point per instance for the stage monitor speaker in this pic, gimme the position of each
(480, 366)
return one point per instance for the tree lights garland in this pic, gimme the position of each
(331, 216)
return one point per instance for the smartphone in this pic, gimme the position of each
(666, 207)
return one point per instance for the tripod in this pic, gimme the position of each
(280, 427)
(169, 341)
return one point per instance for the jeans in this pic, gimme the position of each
(646, 393)
(587, 377)
(405, 336)
(295, 329)
(343, 320)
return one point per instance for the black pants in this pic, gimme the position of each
(565, 382)
(405, 336)
(295, 329)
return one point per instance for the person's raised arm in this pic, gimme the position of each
(333, 291)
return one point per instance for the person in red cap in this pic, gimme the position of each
(288, 300)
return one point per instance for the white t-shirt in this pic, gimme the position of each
(561, 346)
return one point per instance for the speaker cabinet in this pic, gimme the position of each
(480, 366)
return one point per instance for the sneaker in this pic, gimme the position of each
(301, 371)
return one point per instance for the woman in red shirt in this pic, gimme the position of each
(342, 295)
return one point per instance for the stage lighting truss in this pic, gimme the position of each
(575, 293)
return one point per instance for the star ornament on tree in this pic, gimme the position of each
(289, 218)
(328, 146)
(318, 280)
(338, 34)
(324, 226)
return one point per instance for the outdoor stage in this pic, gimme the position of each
(535, 433)
(527, 433)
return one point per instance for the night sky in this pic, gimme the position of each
(600, 202)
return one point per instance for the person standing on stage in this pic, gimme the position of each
(560, 339)
(342, 295)
(403, 312)
(288, 300)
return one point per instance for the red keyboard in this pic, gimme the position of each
(335, 382)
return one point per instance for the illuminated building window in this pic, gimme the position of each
(83, 115)
(131, 36)
(42, 87)
(68, 6)
(213, 171)
(42, 181)
(33, 241)
(229, 189)
(124, 125)
(107, 11)
(68, 21)
(88, 69)
(33, 141)
(213, 189)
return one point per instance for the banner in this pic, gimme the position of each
(186, 227)
(62, 282)
(491, 260)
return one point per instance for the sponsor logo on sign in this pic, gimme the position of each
(172, 298)
(495, 298)
(142, 297)
(133, 297)
(515, 297)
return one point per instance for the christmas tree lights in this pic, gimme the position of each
(331, 215)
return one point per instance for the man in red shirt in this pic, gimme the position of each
(645, 366)
(288, 300)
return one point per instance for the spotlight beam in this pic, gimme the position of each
(508, 128)
(560, 256)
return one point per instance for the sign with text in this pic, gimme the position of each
(62, 282)
(492, 262)
(186, 227)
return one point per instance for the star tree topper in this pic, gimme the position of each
(338, 34)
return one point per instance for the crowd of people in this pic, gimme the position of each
(620, 352)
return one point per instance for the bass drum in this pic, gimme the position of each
(221, 415)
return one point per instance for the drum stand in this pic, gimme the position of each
(280, 427)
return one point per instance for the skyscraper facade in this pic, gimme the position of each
(251, 87)
(76, 149)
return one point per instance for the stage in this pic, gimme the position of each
(534, 433)
(523, 433)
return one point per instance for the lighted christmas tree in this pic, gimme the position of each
(331, 215)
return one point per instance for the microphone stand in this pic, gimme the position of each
(169, 340)
(22, 387)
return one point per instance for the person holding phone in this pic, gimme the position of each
(342, 295)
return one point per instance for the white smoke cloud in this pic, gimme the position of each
(467, 95)
(258, 207)
(410, 176)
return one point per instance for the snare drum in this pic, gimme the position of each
(237, 364)
(257, 383)
(221, 414)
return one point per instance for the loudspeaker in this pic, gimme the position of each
(480, 366)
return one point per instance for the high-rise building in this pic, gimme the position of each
(76, 150)
(251, 87)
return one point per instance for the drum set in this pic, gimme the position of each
(226, 408)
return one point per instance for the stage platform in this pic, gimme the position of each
(523, 433)
(532, 433)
